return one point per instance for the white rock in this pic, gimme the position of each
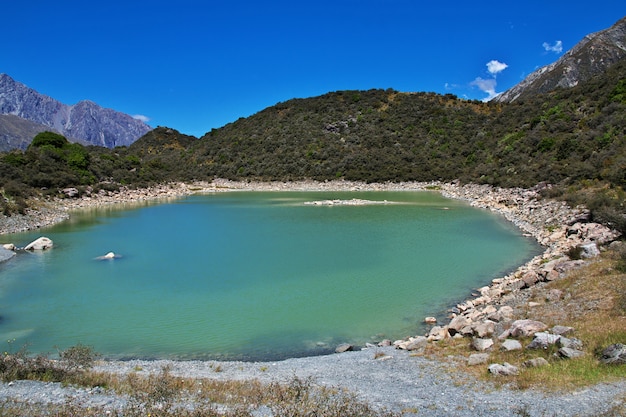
(42, 243)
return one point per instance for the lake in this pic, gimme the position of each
(251, 275)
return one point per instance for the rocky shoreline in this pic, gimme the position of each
(483, 317)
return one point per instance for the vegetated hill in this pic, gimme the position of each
(84, 122)
(591, 56)
(383, 135)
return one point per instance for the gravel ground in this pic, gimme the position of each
(395, 381)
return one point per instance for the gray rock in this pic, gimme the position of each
(41, 243)
(481, 344)
(562, 330)
(458, 324)
(535, 362)
(614, 354)
(526, 328)
(437, 333)
(477, 359)
(485, 329)
(505, 369)
(344, 347)
(511, 344)
(570, 342)
(5, 254)
(590, 250)
(569, 353)
(417, 343)
(542, 340)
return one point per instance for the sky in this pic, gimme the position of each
(197, 65)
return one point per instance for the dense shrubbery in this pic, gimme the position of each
(567, 137)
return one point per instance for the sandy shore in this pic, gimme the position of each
(384, 376)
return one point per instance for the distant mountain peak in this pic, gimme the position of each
(84, 122)
(593, 55)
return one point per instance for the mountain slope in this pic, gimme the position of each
(83, 122)
(591, 56)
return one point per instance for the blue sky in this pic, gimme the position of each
(198, 65)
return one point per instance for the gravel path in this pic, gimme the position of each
(395, 381)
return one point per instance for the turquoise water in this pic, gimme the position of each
(251, 275)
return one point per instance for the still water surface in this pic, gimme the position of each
(251, 275)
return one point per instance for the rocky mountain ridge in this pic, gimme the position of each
(84, 122)
(593, 55)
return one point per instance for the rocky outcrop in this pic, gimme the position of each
(593, 55)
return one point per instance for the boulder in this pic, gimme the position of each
(570, 342)
(416, 343)
(505, 369)
(6, 254)
(542, 340)
(9, 246)
(614, 354)
(511, 344)
(458, 324)
(535, 363)
(485, 329)
(437, 333)
(569, 353)
(562, 330)
(42, 243)
(590, 250)
(344, 347)
(526, 328)
(477, 359)
(430, 320)
(481, 344)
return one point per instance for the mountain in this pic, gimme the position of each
(84, 122)
(591, 56)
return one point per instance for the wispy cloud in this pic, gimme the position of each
(494, 67)
(486, 85)
(141, 117)
(557, 48)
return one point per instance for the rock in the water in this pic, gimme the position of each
(511, 344)
(503, 369)
(481, 344)
(614, 354)
(6, 254)
(535, 362)
(477, 359)
(344, 347)
(430, 320)
(42, 243)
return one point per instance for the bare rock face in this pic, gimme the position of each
(84, 122)
(591, 56)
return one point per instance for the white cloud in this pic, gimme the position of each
(494, 67)
(141, 117)
(486, 85)
(557, 48)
